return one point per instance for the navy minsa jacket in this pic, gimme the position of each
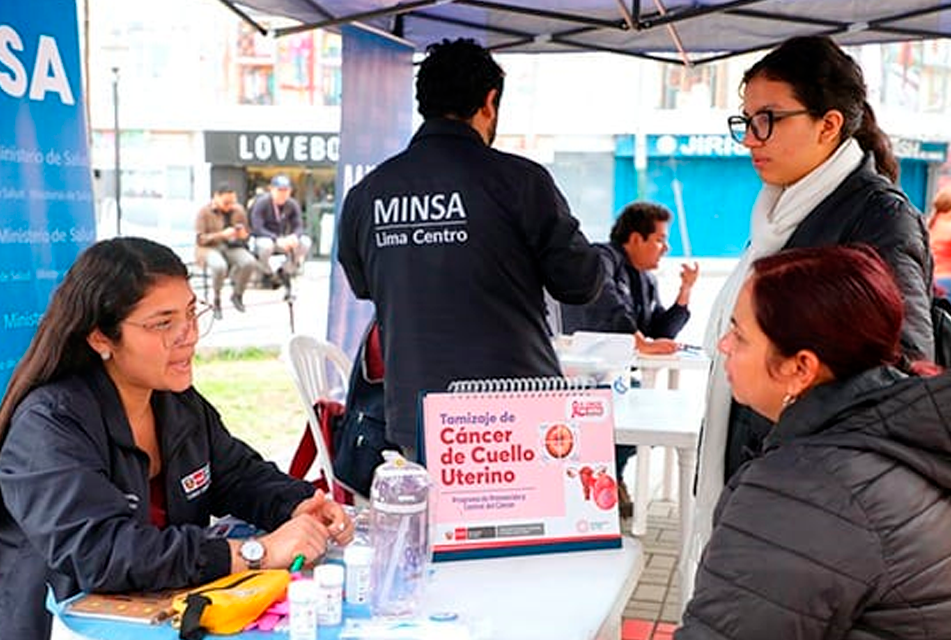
(454, 243)
(842, 529)
(75, 490)
(629, 302)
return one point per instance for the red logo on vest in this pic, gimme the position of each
(197, 482)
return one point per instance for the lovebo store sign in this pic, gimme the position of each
(238, 148)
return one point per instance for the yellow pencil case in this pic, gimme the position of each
(229, 604)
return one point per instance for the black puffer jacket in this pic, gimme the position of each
(866, 208)
(842, 529)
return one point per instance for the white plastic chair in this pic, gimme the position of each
(321, 371)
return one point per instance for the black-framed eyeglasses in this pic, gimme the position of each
(760, 123)
(175, 332)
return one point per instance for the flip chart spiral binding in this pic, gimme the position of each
(521, 385)
(521, 465)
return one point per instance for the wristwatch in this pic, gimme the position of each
(252, 552)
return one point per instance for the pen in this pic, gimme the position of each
(298, 563)
(691, 347)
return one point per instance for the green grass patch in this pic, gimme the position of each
(256, 397)
(232, 354)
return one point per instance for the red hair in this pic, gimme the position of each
(842, 303)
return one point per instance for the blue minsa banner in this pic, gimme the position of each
(376, 123)
(46, 205)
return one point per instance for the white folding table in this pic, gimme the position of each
(650, 366)
(577, 595)
(660, 417)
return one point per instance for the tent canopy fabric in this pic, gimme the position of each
(685, 31)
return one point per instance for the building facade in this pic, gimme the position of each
(203, 98)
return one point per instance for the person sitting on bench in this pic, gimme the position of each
(222, 239)
(277, 225)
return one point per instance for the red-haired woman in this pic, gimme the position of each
(842, 527)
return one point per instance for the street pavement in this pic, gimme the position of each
(266, 323)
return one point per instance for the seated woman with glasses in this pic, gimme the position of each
(829, 178)
(842, 527)
(111, 464)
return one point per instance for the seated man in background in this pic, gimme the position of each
(629, 301)
(222, 238)
(277, 225)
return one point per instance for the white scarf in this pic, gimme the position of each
(776, 215)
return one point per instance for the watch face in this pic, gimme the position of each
(252, 551)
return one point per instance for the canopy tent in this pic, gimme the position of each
(684, 31)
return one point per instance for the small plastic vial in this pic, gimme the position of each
(303, 597)
(358, 559)
(329, 578)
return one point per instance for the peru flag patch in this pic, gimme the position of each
(197, 482)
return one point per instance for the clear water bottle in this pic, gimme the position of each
(399, 535)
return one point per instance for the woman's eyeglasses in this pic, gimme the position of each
(760, 124)
(175, 332)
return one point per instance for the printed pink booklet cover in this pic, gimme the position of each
(521, 469)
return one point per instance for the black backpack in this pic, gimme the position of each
(941, 321)
(359, 435)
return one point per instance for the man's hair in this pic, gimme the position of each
(223, 187)
(454, 79)
(640, 217)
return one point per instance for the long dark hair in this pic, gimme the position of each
(839, 302)
(99, 291)
(824, 77)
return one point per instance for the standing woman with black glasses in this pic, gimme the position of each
(829, 178)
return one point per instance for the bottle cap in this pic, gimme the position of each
(329, 575)
(302, 590)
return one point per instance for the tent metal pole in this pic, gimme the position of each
(116, 148)
(542, 13)
(628, 16)
(402, 7)
(678, 43)
(244, 16)
(694, 12)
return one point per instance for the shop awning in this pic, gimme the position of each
(686, 31)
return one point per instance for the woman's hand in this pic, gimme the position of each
(304, 535)
(330, 514)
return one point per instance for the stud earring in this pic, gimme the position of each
(789, 399)
(105, 355)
